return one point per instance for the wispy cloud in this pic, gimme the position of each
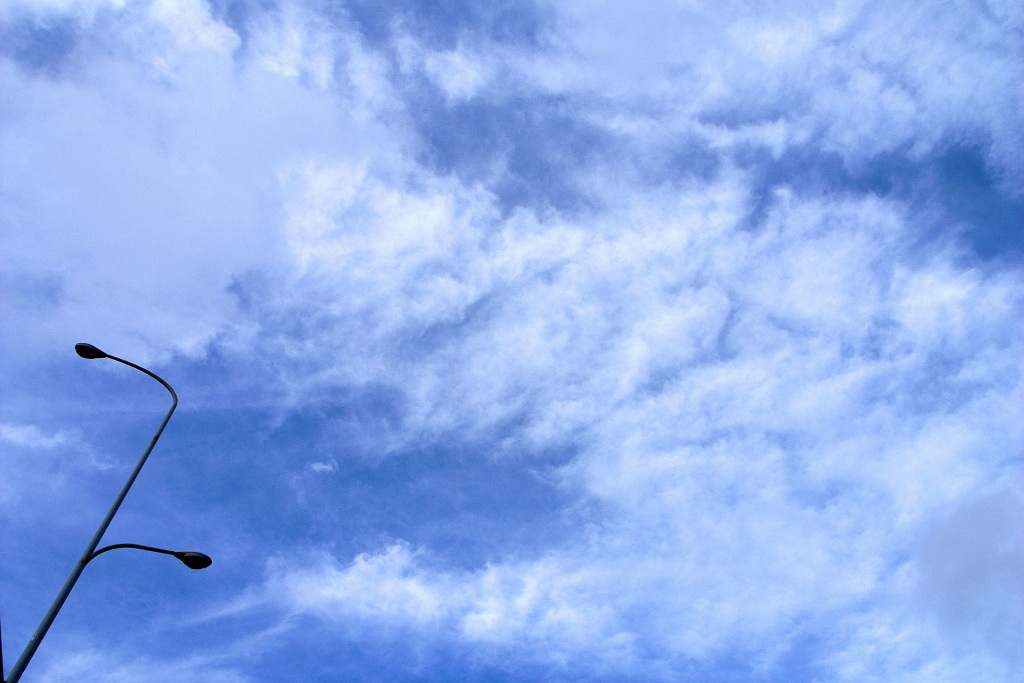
(644, 343)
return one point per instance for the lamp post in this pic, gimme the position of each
(192, 560)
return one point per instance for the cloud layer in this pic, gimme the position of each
(669, 342)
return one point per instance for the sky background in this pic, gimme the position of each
(516, 341)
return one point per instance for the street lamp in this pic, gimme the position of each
(191, 559)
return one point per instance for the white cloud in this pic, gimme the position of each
(30, 436)
(855, 78)
(295, 46)
(192, 26)
(761, 417)
(324, 466)
(460, 73)
(84, 8)
(767, 428)
(969, 573)
(379, 586)
(136, 197)
(107, 667)
(37, 466)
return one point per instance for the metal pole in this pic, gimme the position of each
(51, 614)
(136, 546)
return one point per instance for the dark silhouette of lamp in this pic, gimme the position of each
(191, 559)
(89, 351)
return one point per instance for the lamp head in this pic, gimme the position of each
(194, 560)
(89, 351)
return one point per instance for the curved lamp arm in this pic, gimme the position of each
(189, 558)
(91, 352)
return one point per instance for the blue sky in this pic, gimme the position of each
(516, 341)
